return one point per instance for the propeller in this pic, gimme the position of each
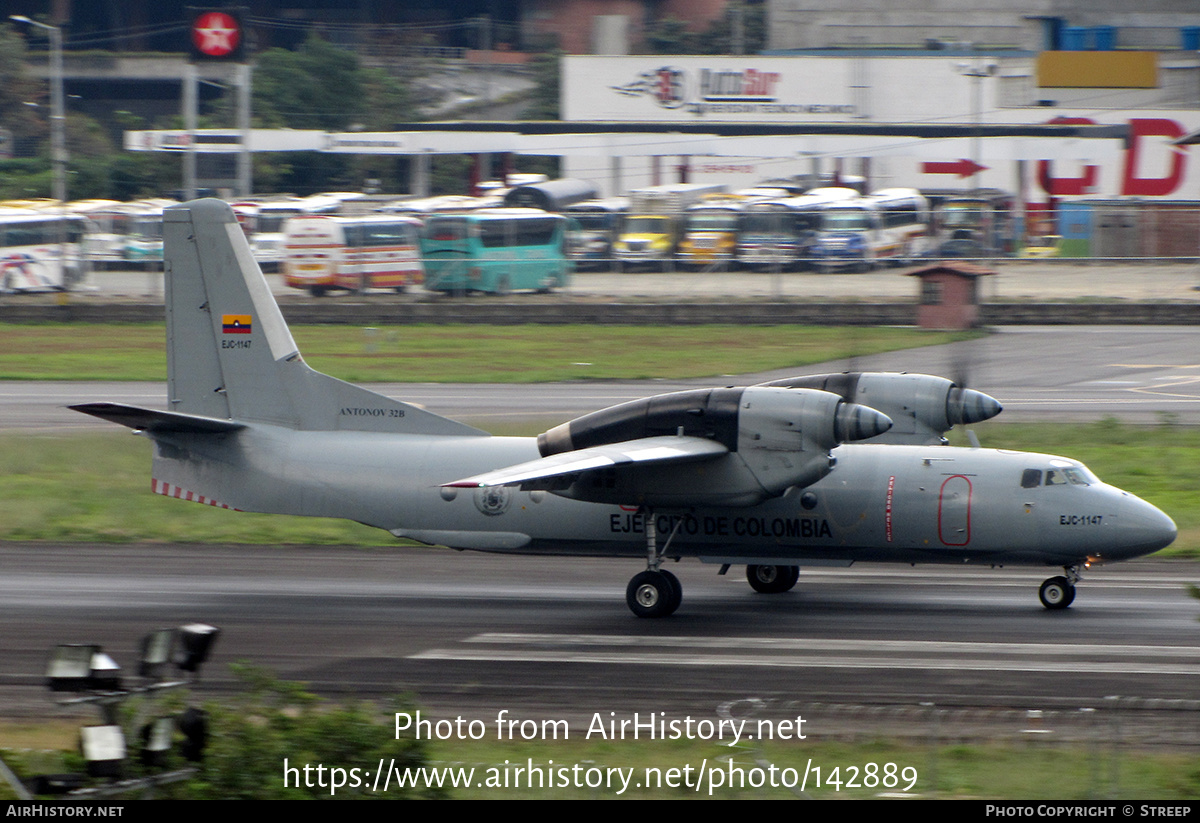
(967, 406)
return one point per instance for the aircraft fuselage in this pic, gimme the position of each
(879, 503)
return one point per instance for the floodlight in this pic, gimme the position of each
(103, 747)
(157, 650)
(156, 741)
(195, 643)
(70, 667)
(105, 675)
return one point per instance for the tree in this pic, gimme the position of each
(18, 90)
(321, 86)
(670, 36)
(544, 101)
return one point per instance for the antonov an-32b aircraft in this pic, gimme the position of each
(826, 470)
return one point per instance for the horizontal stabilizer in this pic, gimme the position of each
(643, 452)
(156, 421)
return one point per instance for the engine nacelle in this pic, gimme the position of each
(777, 438)
(922, 407)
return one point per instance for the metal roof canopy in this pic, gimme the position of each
(731, 129)
(997, 142)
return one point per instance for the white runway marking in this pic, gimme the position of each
(817, 653)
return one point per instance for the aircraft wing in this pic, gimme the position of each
(560, 470)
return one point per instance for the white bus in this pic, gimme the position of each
(905, 218)
(324, 252)
(41, 250)
(267, 239)
(889, 226)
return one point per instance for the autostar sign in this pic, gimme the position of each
(758, 89)
(216, 35)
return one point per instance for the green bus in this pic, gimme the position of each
(495, 251)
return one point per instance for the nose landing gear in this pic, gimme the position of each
(1059, 592)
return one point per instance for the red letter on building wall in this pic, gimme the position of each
(1060, 186)
(1153, 186)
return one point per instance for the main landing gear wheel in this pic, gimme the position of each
(1057, 593)
(653, 594)
(772, 579)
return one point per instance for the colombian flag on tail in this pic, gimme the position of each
(235, 324)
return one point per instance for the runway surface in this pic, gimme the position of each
(472, 633)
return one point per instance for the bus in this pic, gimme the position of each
(889, 226)
(709, 233)
(41, 250)
(975, 224)
(325, 252)
(496, 251)
(711, 227)
(123, 235)
(779, 233)
(143, 246)
(652, 229)
(597, 223)
(550, 195)
(268, 236)
(904, 218)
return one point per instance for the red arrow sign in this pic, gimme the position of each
(963, 168)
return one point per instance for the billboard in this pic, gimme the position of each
(763, 89)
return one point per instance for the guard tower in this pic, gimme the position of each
(949, 296)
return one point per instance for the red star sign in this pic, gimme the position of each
(215, 34)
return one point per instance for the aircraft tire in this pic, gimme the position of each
(1057, 593)
(676, 589)
(652, 594)
(772, 579)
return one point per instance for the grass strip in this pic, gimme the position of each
(467, 353)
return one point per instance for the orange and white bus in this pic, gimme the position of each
(323, 252)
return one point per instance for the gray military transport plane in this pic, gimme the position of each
(826, 470)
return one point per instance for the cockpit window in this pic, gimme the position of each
(1067, 475)
(1076, 477)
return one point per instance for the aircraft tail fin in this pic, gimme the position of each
(230, 355)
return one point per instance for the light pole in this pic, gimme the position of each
(58, 120)
(977, 69)
(58, 137)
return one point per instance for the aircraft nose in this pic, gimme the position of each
(1144, 527)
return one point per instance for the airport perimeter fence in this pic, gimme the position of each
(1115, 723)
(1097, 750)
